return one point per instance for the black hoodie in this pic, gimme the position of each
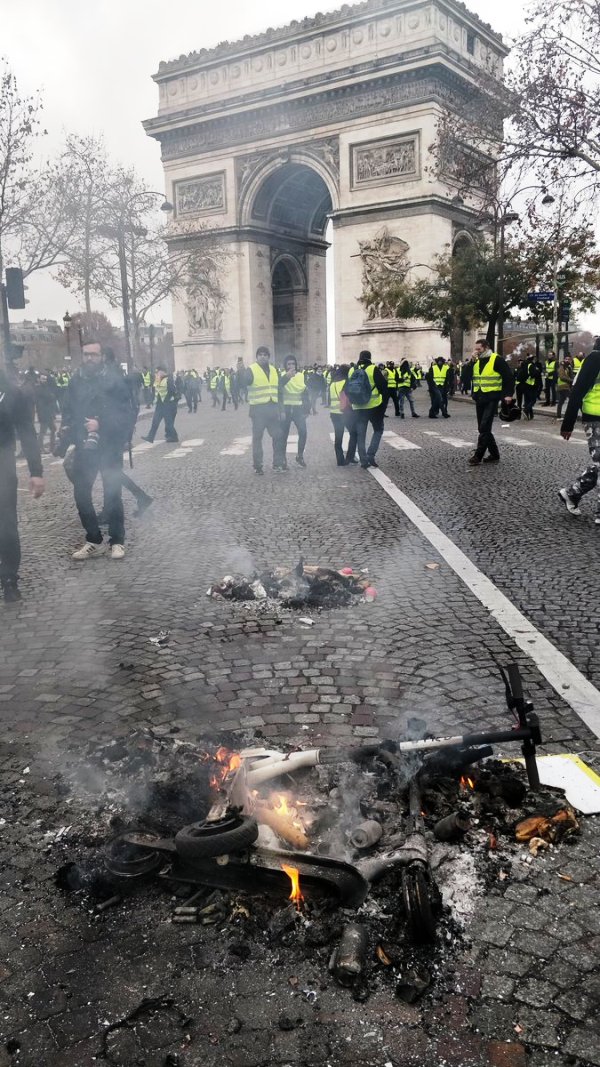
(16, 421)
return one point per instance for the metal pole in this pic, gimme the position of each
(501, 293)
(5, 340)
(68, 333)
(125, 298)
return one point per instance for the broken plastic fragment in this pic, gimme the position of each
(306, 621)
(370, 594)
(161, 638)
(431, 566)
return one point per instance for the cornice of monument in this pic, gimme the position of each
(297, 30)
(192, 134)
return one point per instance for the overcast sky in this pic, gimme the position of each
(93, 62)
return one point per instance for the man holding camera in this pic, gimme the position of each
(15, 421)
(97, 421)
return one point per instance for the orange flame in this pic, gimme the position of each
(466, 782)
(228, 762)
(294, 875)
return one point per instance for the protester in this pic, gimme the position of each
(15, 422)
(262, 382)
(492, 381)
(167, 398)
(294, 398)
(342, 416)
(439, 379)
(585, 394)
(371, 408)
(97, 417)
(406, 383)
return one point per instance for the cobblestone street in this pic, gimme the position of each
(78, 669)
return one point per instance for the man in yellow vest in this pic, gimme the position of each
(262, 381)
(372, 411)
(167, 397)
(492, 380)
(148, 381)
(294, 397)
(550, 381)
(439, 379)
(585, 394)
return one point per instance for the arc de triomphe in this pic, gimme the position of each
(266, 139)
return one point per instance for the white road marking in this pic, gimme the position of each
(195, 443)
(517, 441)
(457, 442)
(185, 449)
(563, 676)
(431, 433)
(556, 437)
(239, 447)
(402, 444)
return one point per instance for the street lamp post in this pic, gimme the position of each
(506, 219)
(67, 321)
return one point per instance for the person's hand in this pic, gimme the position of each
(566, 434)
(36, 487)
(92, 425)
(508, 399)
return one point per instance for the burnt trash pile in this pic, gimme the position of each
(301, 586)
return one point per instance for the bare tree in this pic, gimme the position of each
(19, 128)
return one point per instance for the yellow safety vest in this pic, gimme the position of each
(404, 379)
(486, 379)
(530, 379)
(550, 367)
(335, 390)
(577, 363)
(591, 401)
(375, 398)
(294, 390)
(440, 374)
(264, 388)
(392, 377)
(162, 388)
(147, 378)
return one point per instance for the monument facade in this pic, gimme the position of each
(266, 140)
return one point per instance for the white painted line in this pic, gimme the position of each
(457, 442)
(563, 676)
(21, 463)
(238, 447)
(516, 441)
(402, 444)
(197, 441)
(177, 453)
(56, 463)
(555, 437)
(431, 433)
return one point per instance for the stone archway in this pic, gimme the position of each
(265, 139)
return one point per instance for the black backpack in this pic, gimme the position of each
(358, 388)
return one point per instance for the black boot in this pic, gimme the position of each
(10, 590)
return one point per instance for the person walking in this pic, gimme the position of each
(262, 381)
(369, 411)
(585, 394)
(294, 398)
(391, 377)
(167, 398)
(406, 383)
(550, 376)
(564, 382)
(530, 377)
(342, 416)
(148, 387)
(15, 422)
(439, 378)
(492, 381)
(97, 421)
(46, 407)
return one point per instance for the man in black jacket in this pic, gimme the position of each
(585, 394)
(97, 420)
(15, 421)
(492, 380)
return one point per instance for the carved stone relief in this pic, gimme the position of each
(384, 260)
(206, 302)
(300, 114)
(200, 196)
(326, 150)
(379, 162)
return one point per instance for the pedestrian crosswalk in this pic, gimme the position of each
(184, 449)
(239, 447)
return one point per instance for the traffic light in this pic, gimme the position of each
(15, 291)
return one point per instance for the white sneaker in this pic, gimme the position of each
(570, 504)
(88, 551)
(117, 551)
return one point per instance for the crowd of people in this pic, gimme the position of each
(88, 418)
